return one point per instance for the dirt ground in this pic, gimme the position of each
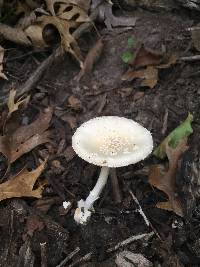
(69, 178)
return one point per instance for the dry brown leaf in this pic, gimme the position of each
(68, 42)
(171, 61)
(25, 138)
(69, 10)
(91, 58)
(21, 185)
(35, 34)
(12, 106)
(72, 12)
(166, 181)
(146, 57)
(2, 75)
(149, 76)
(15, 35)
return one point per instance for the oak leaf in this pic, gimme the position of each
(166, 181)
(25, 138)
(21, 185)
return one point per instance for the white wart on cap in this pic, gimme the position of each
(112, 141)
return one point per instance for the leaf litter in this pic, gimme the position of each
(144, 64)
(30, 31)
(179, 133)
(25, 138)
(12, 106)
(165, 180)
(21, 185)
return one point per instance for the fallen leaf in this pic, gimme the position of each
(15, 35)
(2, 75)
(149, 76)
(166, 180)
(91, 58)
(146, 57)
(72, 12)
(169, 62)
(25, 138)
(21, 185)
(33, 223)
(68, 42)
(179, 133)
(12, 106)
(35, 34)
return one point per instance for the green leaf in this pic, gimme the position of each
(127, 56)
(179, 133)
(131, 42)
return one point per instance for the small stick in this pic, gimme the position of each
(115, 186)
(130, 240)
(141, 212)
(125, 242)
(69, 257)
(190, 59)
(143, 215)
(48, 62)
(44, 261)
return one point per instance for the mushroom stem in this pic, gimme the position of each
(96, 191)
(83, 212)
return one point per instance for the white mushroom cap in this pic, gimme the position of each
(112, 141)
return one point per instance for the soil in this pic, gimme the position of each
(102, 92)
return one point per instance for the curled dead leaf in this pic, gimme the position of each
(21, 185)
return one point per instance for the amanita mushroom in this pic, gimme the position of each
(109, 142)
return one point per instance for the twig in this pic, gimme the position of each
(48, 62)
(115, 186)
(69, 257)
(140, 208)
(43, 248)
(125, 242)
(190, 59)
(130, 240)
(143, 215)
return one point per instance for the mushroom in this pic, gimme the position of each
(109, 142)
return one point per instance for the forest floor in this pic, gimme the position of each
(40, 232)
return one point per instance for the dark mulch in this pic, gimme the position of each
(70, 178)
